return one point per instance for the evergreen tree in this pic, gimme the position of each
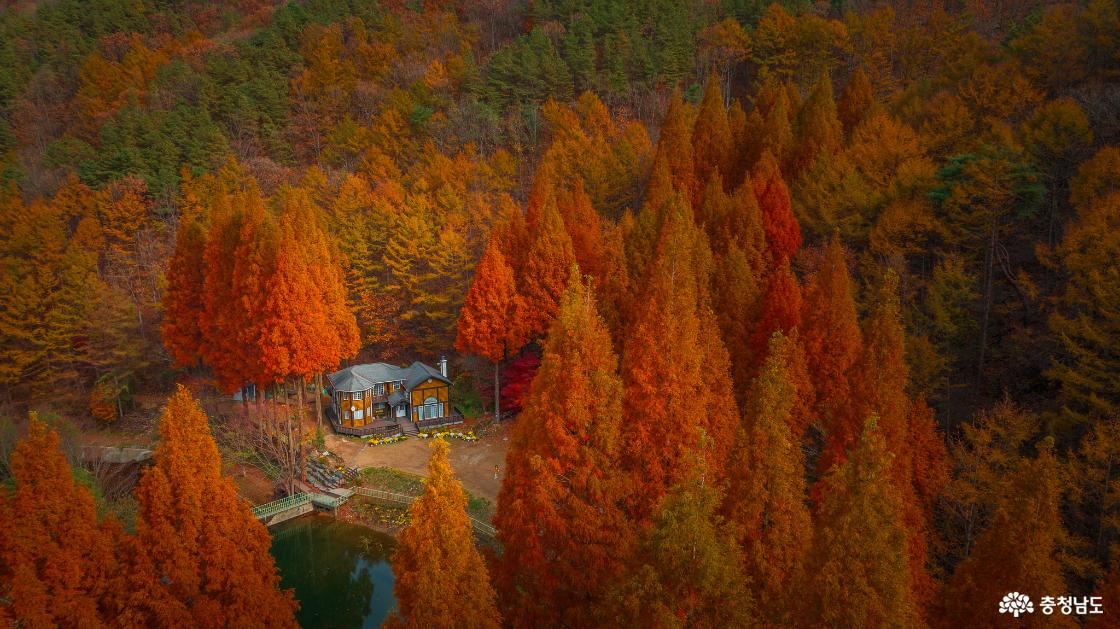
(441, 580)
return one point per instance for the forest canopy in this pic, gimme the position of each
(797, 295)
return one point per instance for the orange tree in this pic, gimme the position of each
(562, 531)
(441, 579)
(201, 558)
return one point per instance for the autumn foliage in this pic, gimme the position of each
(804, 313)
(441, 579)
(201, 556)
(563, 533)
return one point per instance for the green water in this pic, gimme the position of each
(340, 572)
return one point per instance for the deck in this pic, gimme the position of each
(385, 428)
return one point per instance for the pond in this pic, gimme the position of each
(340, 572)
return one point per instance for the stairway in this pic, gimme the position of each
(409, 428)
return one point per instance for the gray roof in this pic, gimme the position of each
(363, 377)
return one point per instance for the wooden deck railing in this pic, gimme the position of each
(454, 418)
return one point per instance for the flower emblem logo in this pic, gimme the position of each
(1015, 603)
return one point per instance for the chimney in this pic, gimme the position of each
(443, 366)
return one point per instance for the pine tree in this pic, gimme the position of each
(488, 323)
(58, 566)
(441, 580)
(202, 558)
(1019, 549)
(857, 567)
(559, 520)
(766, 492)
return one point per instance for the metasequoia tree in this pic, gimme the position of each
(879, 383)
(711, 137)
(674, 147)
(488, 323)
(783, 234)
(548, 262)
(202, 558)
(182, 325)
(1021, 546)
(857, 567)
(830, 335)
(441, 580)
(670, 362)
(58, 566)
(687, 570)
(563, 534)
(765, 500)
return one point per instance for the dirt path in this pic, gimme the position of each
(473, 462)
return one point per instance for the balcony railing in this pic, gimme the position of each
(453, 418)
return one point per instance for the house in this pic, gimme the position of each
(382, 399)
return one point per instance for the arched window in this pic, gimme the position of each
(432, 408)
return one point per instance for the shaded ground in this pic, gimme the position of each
(252, 483)
(473, 462)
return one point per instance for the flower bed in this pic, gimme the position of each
(380, 441)
(448, 434)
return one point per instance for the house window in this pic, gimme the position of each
(432, 408)
(400, 411)
(396, 386)
(379, 389)
(345, 395)
(358, 414)
(357, 395)
(346, 414)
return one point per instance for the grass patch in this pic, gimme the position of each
(389, 479)
(479, 508)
